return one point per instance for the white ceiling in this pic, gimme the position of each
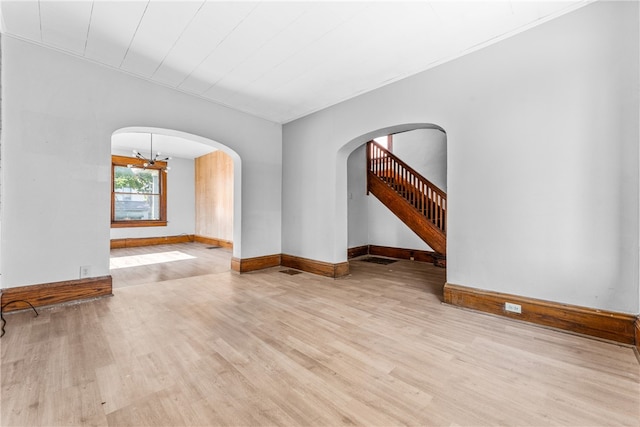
(276, 60)
(126, 142)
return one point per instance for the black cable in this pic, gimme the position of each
(4, 322)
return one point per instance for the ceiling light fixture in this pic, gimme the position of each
(151, 161)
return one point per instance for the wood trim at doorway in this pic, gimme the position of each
(316, 267)
(245, 265)
(326, 269)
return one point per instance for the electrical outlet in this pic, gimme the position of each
(513, 308)
(85, 271)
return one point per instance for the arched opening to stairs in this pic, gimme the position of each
(387, 217)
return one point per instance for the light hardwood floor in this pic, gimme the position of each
(145, 264)
(265, 348)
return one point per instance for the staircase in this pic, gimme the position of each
(411, 197)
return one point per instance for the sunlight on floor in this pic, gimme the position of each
(148, 259)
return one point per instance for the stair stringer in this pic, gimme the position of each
(408, 214)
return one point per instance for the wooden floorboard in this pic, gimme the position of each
(377, 347)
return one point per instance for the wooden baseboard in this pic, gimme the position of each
(316, 267)
(638, 334)
(311, 266)
(57, 292)
(357, 251)
(213, 242)
(150, 241)
(245, 265)
(438, 260)
(400, 253)
(608, 325)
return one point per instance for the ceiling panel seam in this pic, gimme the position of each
(216, 47)
(86, 40)
(179, 37)
(134, 34)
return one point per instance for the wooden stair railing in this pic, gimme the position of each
(413, 198)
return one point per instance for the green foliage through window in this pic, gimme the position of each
(140, 181)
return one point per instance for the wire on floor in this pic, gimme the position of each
(4, 322)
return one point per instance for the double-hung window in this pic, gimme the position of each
(138, 193)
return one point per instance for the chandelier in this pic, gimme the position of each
(151, 161)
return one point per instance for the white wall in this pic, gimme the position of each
(385, 229)
(358, 201)
(542, 132)
(59, 113)
(181, 211)
(425, 150)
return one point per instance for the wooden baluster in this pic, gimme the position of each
(376, 159)
(394, 168)
(403, 174)
(435, 209)
(373, 158)
(387, 172)
(445, 216)
(414, 190)
(395, 176)
(426, 200)
(432, 206)
(439, 212)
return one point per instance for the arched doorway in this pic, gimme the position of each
(369, 223)
(187, 151)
